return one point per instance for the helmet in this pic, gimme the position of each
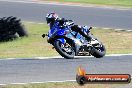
(51, 17)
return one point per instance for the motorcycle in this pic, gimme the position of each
(69, 43)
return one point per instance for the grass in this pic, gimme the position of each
(32, 46)
(127, 3)
(116, 42)
(65, 85)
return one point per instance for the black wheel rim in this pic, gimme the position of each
(67, 48)
(99, 47)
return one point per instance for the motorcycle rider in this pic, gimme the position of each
(53, 18)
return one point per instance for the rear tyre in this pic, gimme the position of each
(67, 51)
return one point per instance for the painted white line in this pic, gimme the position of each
(33, 22)
(55, 57)
(93, 27)
(119, 55)
(119, 29)
(123, 30)
(129, 30)
(106, 28)
(20, 1)
(114, 29)
(83, 56)
(69, 4)
(37, 82)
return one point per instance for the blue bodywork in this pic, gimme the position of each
(61, 33)
(57, 31)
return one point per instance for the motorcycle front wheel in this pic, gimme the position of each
(98, 50)
(65, 50)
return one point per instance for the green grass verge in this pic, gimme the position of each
(32, 46)
(116, 42)
(127, 3)
(65, 85)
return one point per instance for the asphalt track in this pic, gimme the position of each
(60, 69)
(93, 16)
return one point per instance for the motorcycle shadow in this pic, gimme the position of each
(58, 58)
(77, 57)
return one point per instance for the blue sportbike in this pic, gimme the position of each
(69, 43)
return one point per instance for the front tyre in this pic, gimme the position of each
(98, 50)
(65, 50)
